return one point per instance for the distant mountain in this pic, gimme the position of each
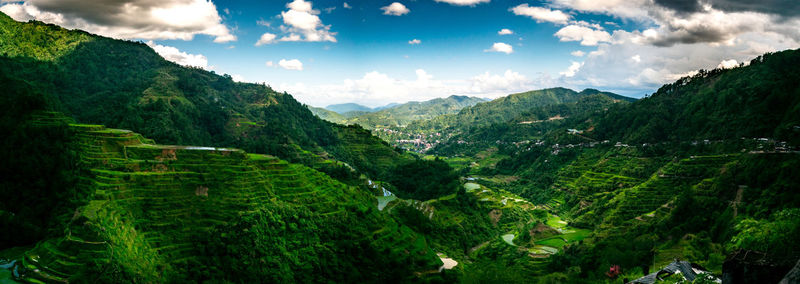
(390, 105)
(403, 114)
(505, 108)
(328, 115)
(342, 108)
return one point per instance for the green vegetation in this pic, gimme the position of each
(153, 213)
(403, 114)
(127, 85)
(424, 179)
(327, 115)
(546, 186)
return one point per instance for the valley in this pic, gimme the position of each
(122, 167)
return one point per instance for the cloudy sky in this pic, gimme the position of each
(376, 52)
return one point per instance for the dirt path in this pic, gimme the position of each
(737, 200)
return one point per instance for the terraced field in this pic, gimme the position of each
(665, 185)
(153, 204)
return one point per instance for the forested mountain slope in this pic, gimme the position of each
(505, 108)
(127, 85)
(703, 170)
(403, 114)
(143, 212)
(758, 100)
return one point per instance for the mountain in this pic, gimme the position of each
(506, 108)
(158, 213)
(423, 135)
(327, 115)
(389, 105)
(702, 170)
(85, 201)
(343, 108)
(402, 114)
(760, 100)
(127, 85)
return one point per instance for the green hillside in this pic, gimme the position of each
(691, 172)
(546, 186)
(157, 213)
(489, 120)
(327, 115)
(759, 100)
(127, 85)
(503, 109)
(348, 107)
(403, 114)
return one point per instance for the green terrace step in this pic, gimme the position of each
(176, 193)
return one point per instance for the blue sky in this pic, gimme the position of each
(377, 52)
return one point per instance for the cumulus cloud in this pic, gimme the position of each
(395, 9)
(587, 36)
(266, 38)
(501, 47)
(541, 14)
(727, 64)
(132, 19)
(578, 53)
(506, 83)
(649, 66)
(173, 54)
(376, 88)
(291, 64)
(781, 8)
(414, 41)
(505, 32)
(464, 2)
(572, 69)
(302, 23)
(632, 9)
(347, 6)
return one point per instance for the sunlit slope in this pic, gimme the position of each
(127, 85)
(156, 213)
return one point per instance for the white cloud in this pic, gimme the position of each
(414, 41)
(587, 36)
(266, 38)
(633, 9)
(578, 53)
(302, 23)
(292, 64)
(572, 69)
(501, 47)
(182, 58)
(728, 64)
(132, 19)
(464, 2)
(659, 65)
(395, 9)
(506, 83)
(376, 88)
(505, 32)
(637, 58)
(347, 6)
(269, 63)
(541, 14)
(238, 78)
